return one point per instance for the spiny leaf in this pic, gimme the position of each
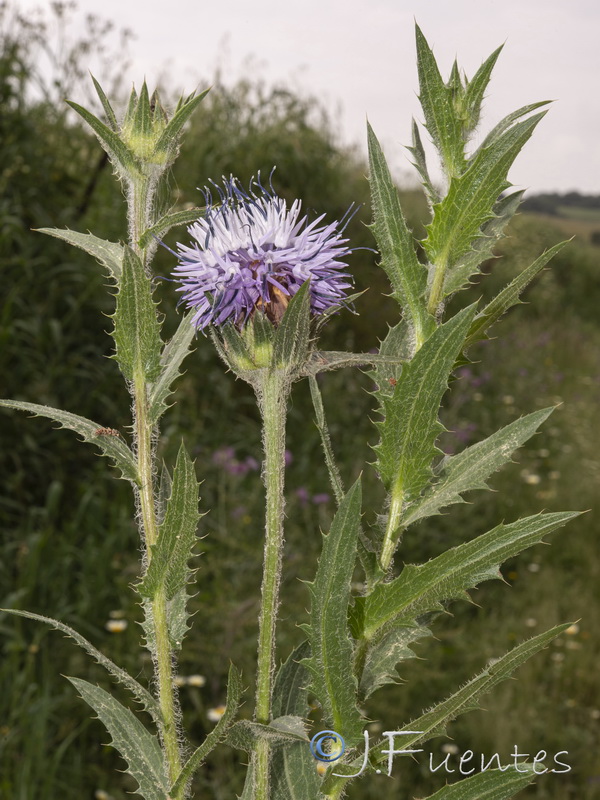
(281, 731)
(168, 568)
(382, 659)
(106, 439)
(332, 651)
(118, 152)
(470, 469)
(173, 354)
(292, 339)
(407, 275)
(411, 426)
(136, 745)
(327, 360)
(436, 102)
(421, 589)
(483, 247)
(218, 733)
(476, 87)
(142, 121)
(137, 329)
(506, 123)
(137, 690)
(169, 221)
(108, 109)
(396, 349)
(420, 164)
(508, 297)
(170, 135)
(433, 723)
(457, 220)
(493, 785)
(109, 254)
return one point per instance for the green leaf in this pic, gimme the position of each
(332, 651)
(470, 469)
(109, 254)
(458, 219)
(407, 275)
(327, 360)
(395, 350)
(168, 568)
(483, 247)
(281, 731)
(410, 426)
(440, 117)
(142, 120)
(106, 439)
(293, 768)
(131, 107)
(108, 109)
(292, 337)
(380, 666)
(493, 785)
(476, 87)
(508, 297)
(137, 690)
(218, 733)
(421, 589)
(420, 163)
(170, 136)
(136, 745)
(137, 329)
(168, 221)
(118, 152)
(506, 123)
(434, 722)
(173, 354)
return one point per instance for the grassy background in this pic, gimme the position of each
(69, 547)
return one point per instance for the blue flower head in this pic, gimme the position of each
(251, 253)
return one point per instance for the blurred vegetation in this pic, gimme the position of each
(69, 547)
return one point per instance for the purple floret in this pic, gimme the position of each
(250, 252)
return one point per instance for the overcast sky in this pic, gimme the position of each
(358, 56)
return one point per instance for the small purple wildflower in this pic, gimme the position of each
(302, 495)
(321, 499)
(251, 252)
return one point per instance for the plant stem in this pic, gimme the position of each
(140, 212)
(163, 655)
(392, 530)
(272, 400)
(437, 286)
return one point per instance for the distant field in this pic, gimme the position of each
(580, 222)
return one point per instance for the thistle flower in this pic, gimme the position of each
(251, 253)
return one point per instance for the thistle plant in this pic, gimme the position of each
(261, 280)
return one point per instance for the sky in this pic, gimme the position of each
(358, 58)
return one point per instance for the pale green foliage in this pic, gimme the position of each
(330, 664)
(110, 442)
(494, 785)
(139, 748)
(137, 330)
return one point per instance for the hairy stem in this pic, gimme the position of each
(392, 530)
(437, 287)
(272, 400)
(140, 210)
